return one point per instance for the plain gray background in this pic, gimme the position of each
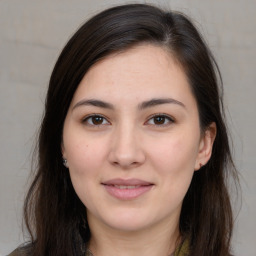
(33, 33)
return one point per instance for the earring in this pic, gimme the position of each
(65, 162)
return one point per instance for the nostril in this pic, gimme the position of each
(126, 156)
(126, 165)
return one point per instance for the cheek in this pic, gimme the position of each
(175, 164)
(84, 154)
(176, 154)
(85, 162)
(174, 161)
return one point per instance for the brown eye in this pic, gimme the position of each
(95, 120)
(160, 120)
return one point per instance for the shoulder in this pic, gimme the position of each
(21, 251)
(16, 252)
(183, 249)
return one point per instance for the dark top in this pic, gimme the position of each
(182, 250)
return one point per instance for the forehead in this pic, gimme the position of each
(140, 72)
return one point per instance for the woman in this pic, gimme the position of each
(133, 150)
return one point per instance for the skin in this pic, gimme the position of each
(126, 141)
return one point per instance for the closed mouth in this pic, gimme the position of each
(129, 183)
(127, 189)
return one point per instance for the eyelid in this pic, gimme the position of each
(166, 116)
(170, 118)
(85, 119)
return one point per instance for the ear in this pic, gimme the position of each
(205, 146)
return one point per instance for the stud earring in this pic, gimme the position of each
(65, 162)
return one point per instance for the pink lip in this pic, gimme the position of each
(115, 188)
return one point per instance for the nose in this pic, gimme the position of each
(126, 148)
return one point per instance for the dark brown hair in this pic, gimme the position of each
(54, 215)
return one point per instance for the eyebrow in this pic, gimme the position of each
(160, 101)
(93, 102)
(141, 106)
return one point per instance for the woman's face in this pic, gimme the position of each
(132, 140)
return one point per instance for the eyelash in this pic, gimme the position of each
(167, 118)
(87, 118)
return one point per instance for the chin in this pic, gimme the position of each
(126, 226)
(128, 221)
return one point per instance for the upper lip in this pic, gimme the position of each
(127, 182)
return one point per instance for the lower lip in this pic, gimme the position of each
(127, 194)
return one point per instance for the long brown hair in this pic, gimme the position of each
(53, 213)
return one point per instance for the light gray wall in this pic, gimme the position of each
(32, 34)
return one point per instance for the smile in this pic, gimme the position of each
(127, 189)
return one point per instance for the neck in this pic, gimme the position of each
(162, 239)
